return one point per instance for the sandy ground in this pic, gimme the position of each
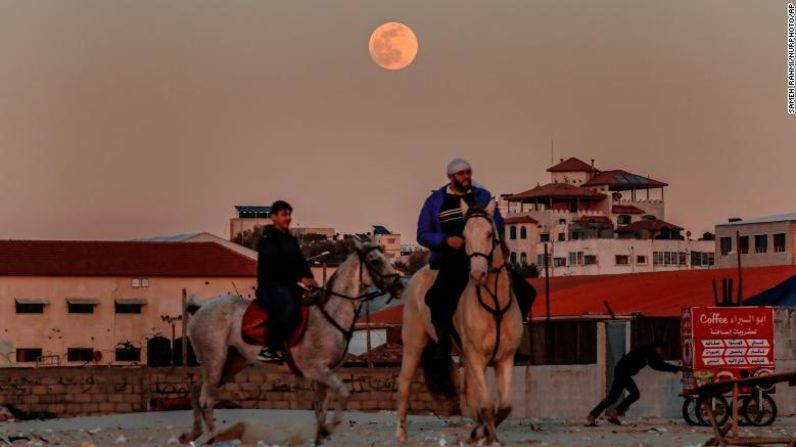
(286, 427)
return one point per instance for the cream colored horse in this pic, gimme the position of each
(488, 321)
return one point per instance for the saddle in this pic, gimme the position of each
(254, 327)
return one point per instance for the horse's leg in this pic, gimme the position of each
(472, 404)
(321, 392)
(185, 438)
(330, 380)
(503, 371)
(413, 350)
(476, 377)
(212, 368)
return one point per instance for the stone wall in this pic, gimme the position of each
(93, 391)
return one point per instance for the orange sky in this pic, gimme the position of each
(140, 118)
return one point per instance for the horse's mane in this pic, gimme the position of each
(477, 211)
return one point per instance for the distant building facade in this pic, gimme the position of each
(764, 241)
(73, 303)
(598, 222)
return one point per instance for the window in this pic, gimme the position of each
(81, 305)
(129, 354)
(576, 258)
(681, 258)
(79, 354)
(590, 259)
(129, 305)
(779, 242)
(75, 308)
(28, 354)
(513, 257)
(512, 232)
(559, 262)
(540, 260)
(390, 240)
(699, 258)
(523, 258)
(139, 282)
(641, 260)
(624, 219)
(561, 237)
(562, 221)
(761, 243)
(743, 244)
(725, 245)
(544, 237)
(667, 258)
(29, 308)
(523, 233)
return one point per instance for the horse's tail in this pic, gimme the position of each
(438, 373)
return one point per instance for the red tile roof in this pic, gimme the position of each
(572, 164)
(649, 225)
(519, 220)
(558, 191)
(652, 294)
(390, 352)
(626, 209)
(122, 258)
(656, 294)
(623, 179)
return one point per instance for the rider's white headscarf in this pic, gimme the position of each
(457, 165)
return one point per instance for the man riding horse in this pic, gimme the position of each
(283, 275)
(439, 229)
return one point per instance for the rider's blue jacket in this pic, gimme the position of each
(429, 228)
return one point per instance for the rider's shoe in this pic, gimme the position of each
(591, 421)
(270, 355)
(612, 416)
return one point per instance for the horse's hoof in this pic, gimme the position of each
(477, 433)
(186, 438)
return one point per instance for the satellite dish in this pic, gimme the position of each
(97, 356)
(617, 195)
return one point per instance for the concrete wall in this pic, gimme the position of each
(785, 357)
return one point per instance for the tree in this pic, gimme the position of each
(526, 270)
(311, 244)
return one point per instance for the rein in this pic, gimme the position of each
(497, 312)
(357, 301)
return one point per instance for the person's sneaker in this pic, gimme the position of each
(591, 421)
(270, 355)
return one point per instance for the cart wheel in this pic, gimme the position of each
(721, 409)
(690, 412)
(759, 412)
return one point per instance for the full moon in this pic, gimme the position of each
(393, 46)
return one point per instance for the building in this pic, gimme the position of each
(73, 303)
(762, 241)
(390, 242)
(247, 218)
(598, 222)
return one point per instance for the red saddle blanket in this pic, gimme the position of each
(254, 328)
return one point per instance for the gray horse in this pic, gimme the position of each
(215, 331)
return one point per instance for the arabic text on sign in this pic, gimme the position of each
(712, 343)
(735, 343)
(712, 352)
(758, 343)
(736, 360)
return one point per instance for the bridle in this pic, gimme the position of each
(380, 282)
(497, 312)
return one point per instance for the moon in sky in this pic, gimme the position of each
(393, 46)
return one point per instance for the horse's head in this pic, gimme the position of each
(480, 240)
(379, 271)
